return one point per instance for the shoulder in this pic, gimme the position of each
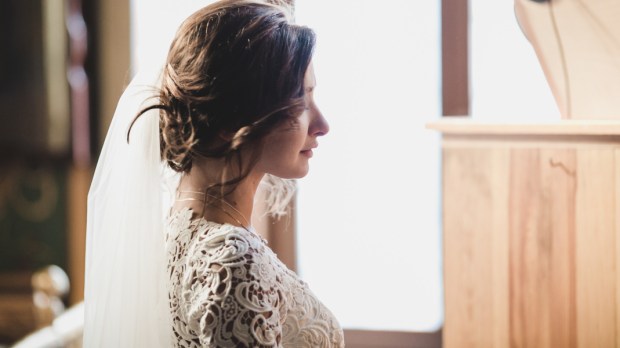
(226, 287)
(197, 238)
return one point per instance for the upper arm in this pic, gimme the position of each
(240, 303)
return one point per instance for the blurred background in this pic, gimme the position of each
(372, 250)
(50, 98)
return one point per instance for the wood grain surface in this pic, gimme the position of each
(531, 243)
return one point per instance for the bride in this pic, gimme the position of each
(172, 258)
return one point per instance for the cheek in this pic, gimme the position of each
(286, 144)
(291, 138)
(282, 156)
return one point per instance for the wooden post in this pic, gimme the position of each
(80, 173)
(455, 57)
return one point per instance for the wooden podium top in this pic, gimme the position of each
(468, 126)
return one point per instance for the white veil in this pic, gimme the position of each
(126, 299)
(126, 296)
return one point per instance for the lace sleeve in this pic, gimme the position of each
(229, 294)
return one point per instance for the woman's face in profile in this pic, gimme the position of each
(288, 148)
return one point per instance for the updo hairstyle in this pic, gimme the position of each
(235, 68)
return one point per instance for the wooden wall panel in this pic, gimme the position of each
(596, 248)
(500, 247)
(558, 245)
(530, 247)
(617, 235)
(559, 177)
(542, 200)
(475, 250)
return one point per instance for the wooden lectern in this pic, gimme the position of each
(531, 212)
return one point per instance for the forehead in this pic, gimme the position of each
(309, 78)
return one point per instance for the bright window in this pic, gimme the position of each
(507, 82)
(368, 212)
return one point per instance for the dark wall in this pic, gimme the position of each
(33, 178)
(23, 114)
(33, 215)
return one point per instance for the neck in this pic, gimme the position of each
(237, 206)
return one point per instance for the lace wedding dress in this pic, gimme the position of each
(228, 289)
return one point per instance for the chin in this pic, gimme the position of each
(296, 173)
(295, 176)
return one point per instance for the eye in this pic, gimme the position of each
(308, 101)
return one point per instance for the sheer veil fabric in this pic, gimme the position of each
(126, 302)
(126, 284)
(126, 296)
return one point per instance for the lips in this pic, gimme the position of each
(307, 153)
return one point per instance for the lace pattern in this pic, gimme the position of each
(228, 289)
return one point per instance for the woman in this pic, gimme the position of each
(235, 104)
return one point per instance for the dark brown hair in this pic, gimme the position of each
(235, 67)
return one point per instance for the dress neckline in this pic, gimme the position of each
(200, 220)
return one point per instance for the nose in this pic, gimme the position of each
(319, 125)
